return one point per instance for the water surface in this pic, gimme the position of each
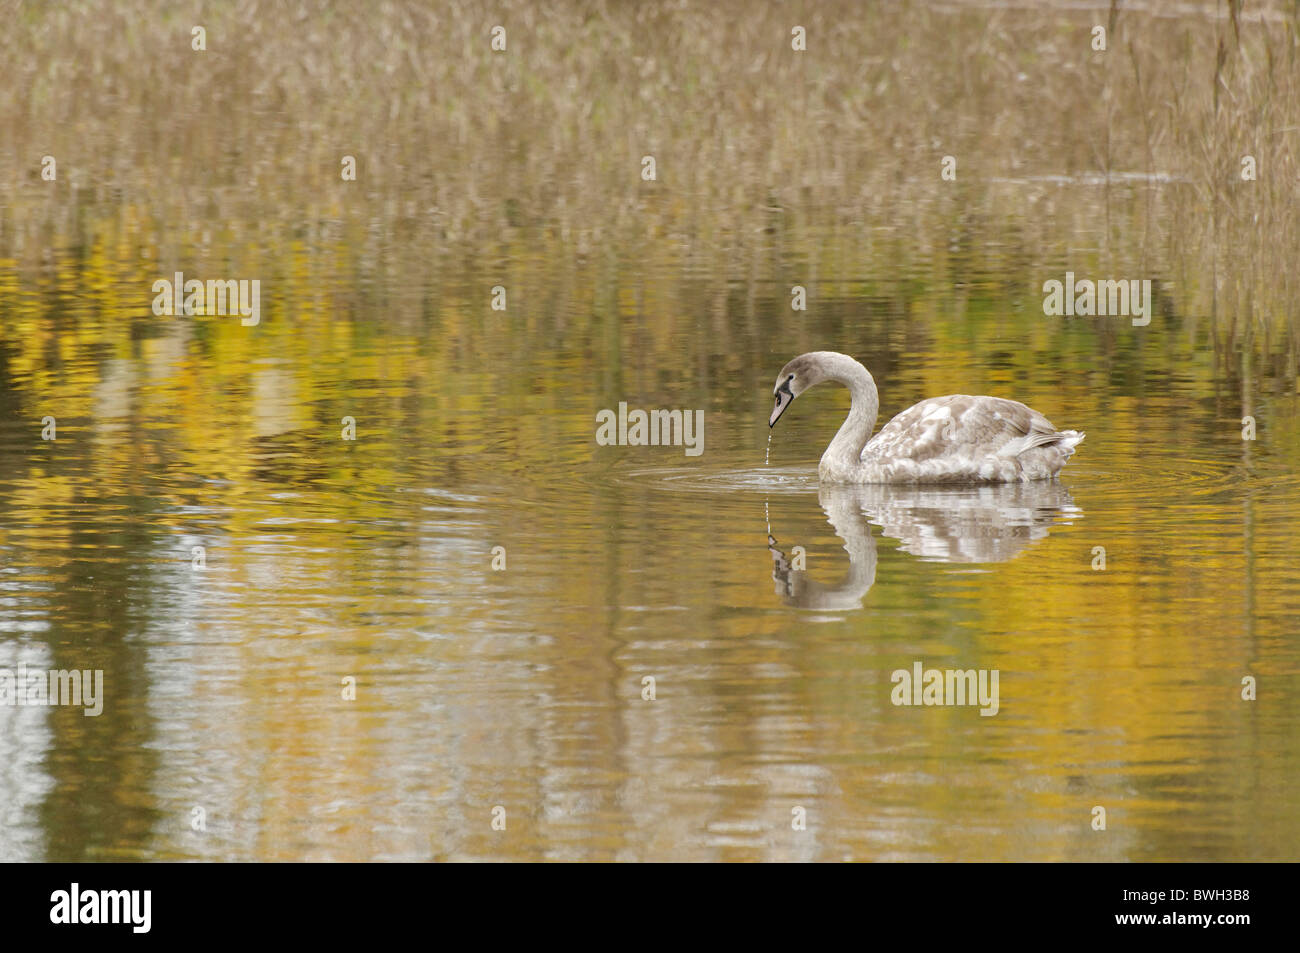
(514, 677)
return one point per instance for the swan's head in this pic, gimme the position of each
(795, 378)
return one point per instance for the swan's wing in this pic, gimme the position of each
(974, 427)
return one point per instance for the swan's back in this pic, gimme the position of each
(964, 439)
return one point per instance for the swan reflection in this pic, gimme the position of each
(969, 524)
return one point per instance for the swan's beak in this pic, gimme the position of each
(783, 400)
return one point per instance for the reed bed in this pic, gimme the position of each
(830, 156)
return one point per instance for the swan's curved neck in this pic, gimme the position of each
(845, 451)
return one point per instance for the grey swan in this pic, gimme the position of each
(953, 439)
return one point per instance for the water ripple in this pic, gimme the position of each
(756, 480)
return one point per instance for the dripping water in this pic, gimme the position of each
(767, 462)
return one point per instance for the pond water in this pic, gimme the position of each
(320, 648)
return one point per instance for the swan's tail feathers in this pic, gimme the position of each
(1065, 439)
(1069, 439)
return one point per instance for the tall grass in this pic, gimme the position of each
(464, 153)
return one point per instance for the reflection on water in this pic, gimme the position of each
(330, 648)
(850, 522)
(984, 524)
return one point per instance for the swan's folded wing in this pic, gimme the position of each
(973, 427)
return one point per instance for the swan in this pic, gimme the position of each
(953, 439)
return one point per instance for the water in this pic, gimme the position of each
(522, 687)
(495, 587)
